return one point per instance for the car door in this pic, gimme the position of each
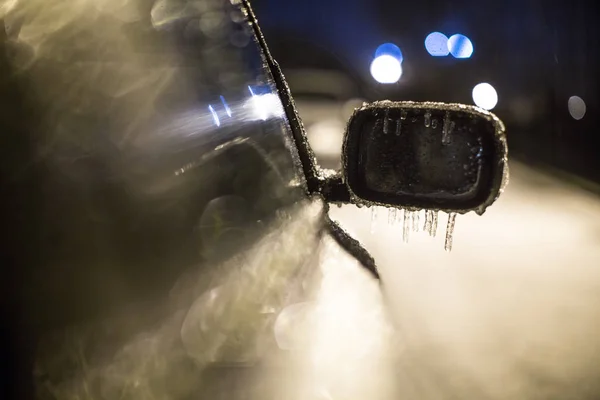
(148, 166)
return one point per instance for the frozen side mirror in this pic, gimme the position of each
(447, 157)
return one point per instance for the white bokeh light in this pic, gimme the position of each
(386, 69)
(576, 107)
(485, 96)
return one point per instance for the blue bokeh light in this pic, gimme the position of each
(460, 46)
(216, 119)
(436, 44)
(226, 106)
(389, 49)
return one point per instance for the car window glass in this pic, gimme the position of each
(144, 147)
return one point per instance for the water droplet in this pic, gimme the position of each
(373, 218)
(434, 223)
(427, 119)
(434, 123)
(392, 216)
(450, 231)
(406, 226)
(447, 129)
(403, 115)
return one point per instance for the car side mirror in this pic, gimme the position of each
(436, 156)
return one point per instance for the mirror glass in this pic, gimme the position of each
(448, 157)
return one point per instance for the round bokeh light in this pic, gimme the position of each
(460, 46)
(485, 96)
(389, 49)
(577, 107)
(386, 69)
(436, 44)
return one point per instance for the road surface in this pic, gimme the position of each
(514, 309)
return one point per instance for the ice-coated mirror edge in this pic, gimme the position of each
(304, 157)
(500, 178)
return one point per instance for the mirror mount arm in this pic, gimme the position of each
(334, 190)
(353, 247)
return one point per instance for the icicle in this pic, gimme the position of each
(450, 231)
(386, 122)
(398, 128)
(434, 223)
(447, 129)
(427, 119)
(406, 226)
(392, 216)
(428, 220)
(415, 221)
(373, 218)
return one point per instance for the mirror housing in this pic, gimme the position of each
(437, 156)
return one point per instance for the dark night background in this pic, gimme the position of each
(536, 53)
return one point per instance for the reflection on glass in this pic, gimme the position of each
(214, 115)
(226, 106)
(147, 127)
(263, 106)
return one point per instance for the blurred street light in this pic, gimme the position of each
(485, 96)
(577, 107)
(386, 69)
(436, 44)
(389, 49)
(460, 46)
